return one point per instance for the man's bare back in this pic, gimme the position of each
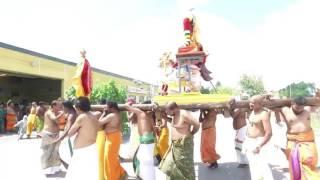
(113, 123)
(239, 118)
(86, 127)
(132, 117)
(209, 119)
(145, 123)
(145, 120)
(110, 119)
(10, 110)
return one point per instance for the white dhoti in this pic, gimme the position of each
(84, 164)
(259, 168)
(134, 141)
(66, 149)
(146, 162)
(239, 139)
(279, 137)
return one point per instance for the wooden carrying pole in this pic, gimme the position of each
(211, 106)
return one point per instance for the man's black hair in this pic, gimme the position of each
(83, 103)
(300, 100)
(103, 101)
(68, 104)
(113, 105)
(147, 102)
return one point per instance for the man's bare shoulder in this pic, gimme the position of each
(112, 115)
(97, 114)
(265, 114)
(185, 113)
(47, 113)
(141, 115)
(81, 117)
(307, 113)
(10, 110)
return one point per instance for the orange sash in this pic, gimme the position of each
(113, 169)
(11, 121)
(302, 152)
(208, 145)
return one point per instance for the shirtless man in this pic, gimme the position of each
(258, 134)
(208, 138)
(143, 161)
(84, 160)
(111, 121)
(50, 158)
(178, 161)
(240, 117)
(301, 147)
(71, 116)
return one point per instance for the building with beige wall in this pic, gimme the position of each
(32, 76)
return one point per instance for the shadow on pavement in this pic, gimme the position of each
(226, 171)
(229, 171)
(60, 174)
(279, 173)
(8, 134)
(33, 137)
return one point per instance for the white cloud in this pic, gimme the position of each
(283, 49)
(289, 44)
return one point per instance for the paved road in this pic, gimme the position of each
(21, 159)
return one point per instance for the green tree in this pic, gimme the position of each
(71, 92)
(109, 91)
(204, 90)
(221, 89)
(298, 89)
(225, 90)
(252, 84)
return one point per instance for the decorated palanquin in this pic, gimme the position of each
(182, 74)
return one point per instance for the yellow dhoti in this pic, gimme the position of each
(101, 139)
(112, 167)
(303, 156)
(30, 123)
(163, 143)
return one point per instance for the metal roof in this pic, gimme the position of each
(33, 53)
